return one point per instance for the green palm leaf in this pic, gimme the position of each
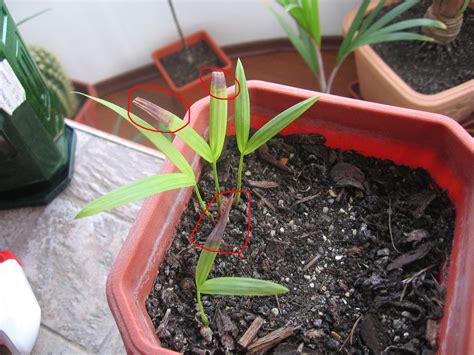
(241, 286)
(136, 191)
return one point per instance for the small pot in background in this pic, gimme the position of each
(191, 91)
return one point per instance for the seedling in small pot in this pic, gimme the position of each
(227, 286)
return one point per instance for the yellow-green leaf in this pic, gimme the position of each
(241, 286)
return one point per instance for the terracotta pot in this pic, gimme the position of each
(86, 112)
(191, 91)
(404, 136)
(379, 83)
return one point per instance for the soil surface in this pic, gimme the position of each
(183, 66)
(338, 212)
(429, 67)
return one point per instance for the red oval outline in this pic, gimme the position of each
(204, 213)
(157, 88)
(225, 71)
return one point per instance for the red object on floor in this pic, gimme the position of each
(8, 255)
(414, 138)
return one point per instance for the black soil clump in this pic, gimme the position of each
(378, 236)
(428, 67)
(183, 66)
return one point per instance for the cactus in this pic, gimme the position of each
(55, 78)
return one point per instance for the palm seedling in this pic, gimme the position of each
(363, 30)
(210, 152)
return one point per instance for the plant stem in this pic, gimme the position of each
(201, 202)
(216, 183)
(332, 77)
(175, 18)
(322, 75)
(239, 179)
(204, 318)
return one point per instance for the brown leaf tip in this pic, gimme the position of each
(218, 81)
(158, 113)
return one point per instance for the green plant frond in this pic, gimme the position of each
(173, 123)
(311, 11)
(296, 41)
(312, 57)
(217, 114)
(276, 124)
(158, 139)
(390, 37)
(463, 8)
(241, 286)
(242, 109)
(407, 24)
(136, 191)
(391, 15)
(213, 242)
(345, 48)
(369, 19)
(295, 11)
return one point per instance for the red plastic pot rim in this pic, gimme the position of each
(8, 255)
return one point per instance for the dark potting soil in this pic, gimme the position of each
(427, 67)
(183, 66)
(339, 210)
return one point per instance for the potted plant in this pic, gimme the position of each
(406, 137)
(180, 62)
(424, 83)
(362, 31)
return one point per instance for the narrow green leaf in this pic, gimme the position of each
(308, 43)
(273, 127)
(389, 37)
(158, 139)
(369, 19)
(391, 15)
(213, 242)
(311, 11)
(241, 286)
(217, 114)
(463, 8)
(136, 191)
(172, 122)
(403, 25)
(296, 41)
(298, 15)
(344, 49)
(242, 108)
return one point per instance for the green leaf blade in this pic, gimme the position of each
(241, 286)
(297, 42)
(242, 109)
(158, 139)
(217, 114)
(136, 191)
(171, 122)
(279, 122)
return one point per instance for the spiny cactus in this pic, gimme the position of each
(55, 78)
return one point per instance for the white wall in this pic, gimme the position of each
(96, 40)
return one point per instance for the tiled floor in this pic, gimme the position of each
(67, 261)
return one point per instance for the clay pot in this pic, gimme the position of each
(379, 83)
(417, 139)
(191, 91)
(86, 112)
